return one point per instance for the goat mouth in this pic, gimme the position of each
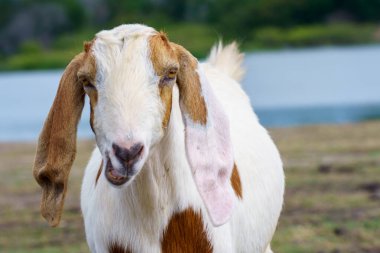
(116, 176)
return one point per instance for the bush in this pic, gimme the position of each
(333, 34)
(30, 47)
(42, 60)
(197, 38)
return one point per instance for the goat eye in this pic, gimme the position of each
(172, 74)
(168, 77)
(87, 85)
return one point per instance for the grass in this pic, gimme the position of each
(332, 201)
(330, 205)
(198, 39)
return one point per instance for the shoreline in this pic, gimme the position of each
(270, 129)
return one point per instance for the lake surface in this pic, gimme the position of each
(287, 88)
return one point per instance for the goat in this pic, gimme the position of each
(182, 163)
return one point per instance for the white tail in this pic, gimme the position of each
(228, 59)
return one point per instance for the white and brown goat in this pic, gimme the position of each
(182, 163)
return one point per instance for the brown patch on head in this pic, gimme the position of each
(99, 172)
(236, 183)
(87, 45)
(163, 60)
(166, 55)
(162, 55)
(87, 75)
(117, 248)
(185, 233)
(166, 97)
(189, 86)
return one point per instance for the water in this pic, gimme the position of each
(324, 85)
(25, 101)
(287, 87)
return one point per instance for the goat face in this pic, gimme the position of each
(130, 96)
(129, 73)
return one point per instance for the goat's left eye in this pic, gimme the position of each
(87, 85)
(172, 74)
(169, 76)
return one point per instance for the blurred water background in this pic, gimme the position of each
(286, 88)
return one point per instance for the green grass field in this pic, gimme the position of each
(332, 201)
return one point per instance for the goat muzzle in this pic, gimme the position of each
(114, 175)
(123, 170)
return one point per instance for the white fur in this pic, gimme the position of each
(128, 109)
(227, 59)
(137, 214)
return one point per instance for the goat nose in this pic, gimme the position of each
(128, 155)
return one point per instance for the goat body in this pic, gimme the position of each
(206, 176)
(136, 218)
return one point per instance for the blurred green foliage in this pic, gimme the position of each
(53, 30)
(313, 35)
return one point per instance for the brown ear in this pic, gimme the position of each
(189, 85)
(57, 143)
(207, 138)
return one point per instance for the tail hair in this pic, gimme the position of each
(228, 59)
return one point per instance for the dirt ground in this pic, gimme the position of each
(332, 201)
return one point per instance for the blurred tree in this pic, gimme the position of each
(363, 10)
(123, 10)
(41, 20)
(7, 8)
(248, 14)
(38, 22)
(97, 11)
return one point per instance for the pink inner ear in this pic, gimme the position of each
(210, 155)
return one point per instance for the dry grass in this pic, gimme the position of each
(332, 197)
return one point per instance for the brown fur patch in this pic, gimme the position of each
(99, 172)
(185, 233)
(189, 86)
(116, 248)
(162, 55)
(87, 45)
(166, 98)
(236, 183)
(93, 95)
(166, 55)
(163, 59)
(87, 73)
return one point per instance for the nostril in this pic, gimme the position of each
(128, 155)
(139, 149)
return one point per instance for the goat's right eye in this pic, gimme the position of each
(87, 85)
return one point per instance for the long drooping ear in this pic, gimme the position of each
(57, 143)
(207, 138)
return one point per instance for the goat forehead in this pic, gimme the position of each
(123, 51)
(121, 32)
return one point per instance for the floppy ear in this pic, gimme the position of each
(207, 138)
(57, 143)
